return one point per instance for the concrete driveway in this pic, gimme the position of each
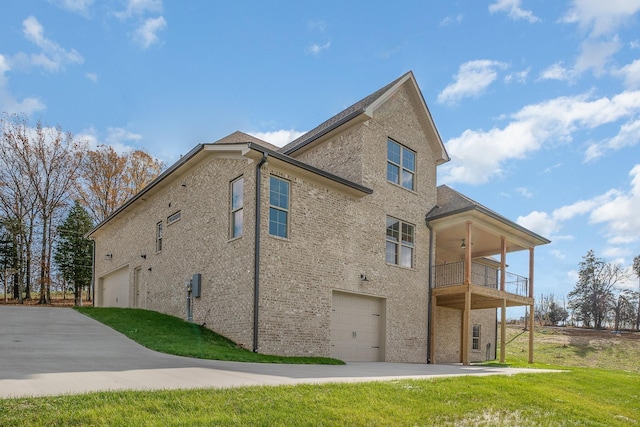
(52, 351)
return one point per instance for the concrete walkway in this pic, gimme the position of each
(52, 351)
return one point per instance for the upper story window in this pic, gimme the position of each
(401, 165)
(237, 207)
(174, 218)
(278, 207)
(400, 242)
(159, 237)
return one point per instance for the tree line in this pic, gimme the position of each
(597, 299)
(53, 189)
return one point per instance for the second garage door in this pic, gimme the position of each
(357, 327)
(114, 289)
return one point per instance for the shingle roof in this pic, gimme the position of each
(238, 136)
(340, 118)
(451, 202)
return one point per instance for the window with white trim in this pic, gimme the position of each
(237, 207)
(401, 165)
(475, 338)
(400, 242)
(159, 237)
(278, 207)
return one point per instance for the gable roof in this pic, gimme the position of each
(368, 105)
(451, 202)
(238, 136)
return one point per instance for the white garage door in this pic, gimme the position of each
(357, 328)
(114, 290)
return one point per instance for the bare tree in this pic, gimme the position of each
(636, 270)
(593, 296)
(48, 159)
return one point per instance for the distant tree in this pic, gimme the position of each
(593, 295)
(624, 310)
(636, 270)
(74, 252)
(109, 179)
(548, 311)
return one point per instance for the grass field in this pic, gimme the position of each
(607, 395)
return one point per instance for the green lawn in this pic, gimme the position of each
(169, 334)
(578, 396)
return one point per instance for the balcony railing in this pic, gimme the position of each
(481, 275)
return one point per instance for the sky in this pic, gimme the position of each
(537, 102)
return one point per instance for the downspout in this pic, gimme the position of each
(93, 274)
(426, 219)
(256, 266)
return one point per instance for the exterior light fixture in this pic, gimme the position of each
(108, 256)
(363, 278)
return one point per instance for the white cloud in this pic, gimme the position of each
(92, 76)
(8, 103)
(601, 17)
(53, 58)
(557, 71)
(315, 49)
(451, 20)
(472, 80)
(615, 209)
(595, 55)
(524, 192)
(279, 138)
(77, 6)
(147, 33)
(117, 135)
(530, 128)
(139, 8)
(628, 136)
(518, 76)
(620, 213)
(513, 9)
(117, 138)
(631, 74)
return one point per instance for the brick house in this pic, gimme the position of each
(329, 246)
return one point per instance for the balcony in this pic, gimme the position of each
(452, 274)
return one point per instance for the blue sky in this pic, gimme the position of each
(538, 102)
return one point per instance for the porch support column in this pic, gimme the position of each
(467, 255)
(531, 307)
(503, 262)
(503, 330)
(466, 327)
(432, 332)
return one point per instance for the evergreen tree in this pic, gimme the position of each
(74, 252)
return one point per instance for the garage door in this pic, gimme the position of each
(114, 289)
(357, 328)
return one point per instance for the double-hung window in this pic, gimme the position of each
(400, 242)
(278, 207)
(237, 205)
(159, 237)
(401, 165)
(475, 340)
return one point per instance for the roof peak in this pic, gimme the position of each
(343, 116)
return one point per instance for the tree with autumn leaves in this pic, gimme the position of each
(43, 170)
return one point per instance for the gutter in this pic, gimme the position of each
(431, 267)
(256, 265)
